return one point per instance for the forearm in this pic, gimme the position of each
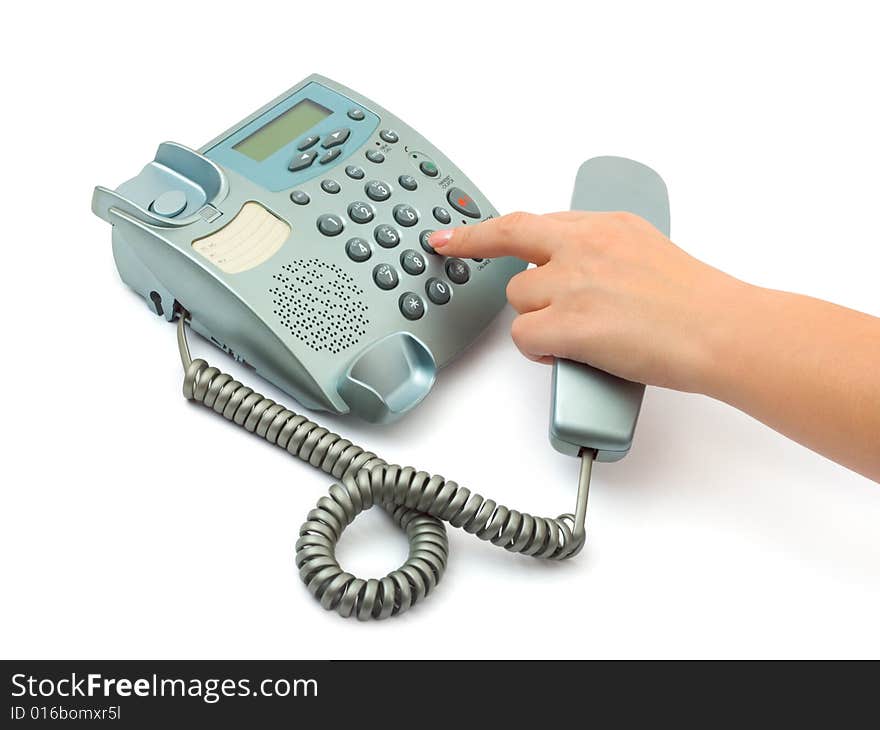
(805, 367)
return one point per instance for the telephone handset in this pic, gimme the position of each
(297, 242)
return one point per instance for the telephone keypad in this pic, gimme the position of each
(360, 212)
(386, 236)
(411, 305)
(457, 271)
(358, 250)
(377, 190)
(330, 225)
(406, 215)
(437, 291)
(423, 240)
(413, 262)
(385, 276)
(408, 182)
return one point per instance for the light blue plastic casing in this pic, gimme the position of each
(591, 408)
(307, 318)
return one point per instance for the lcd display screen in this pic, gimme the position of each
(282, 130)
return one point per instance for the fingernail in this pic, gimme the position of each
(438, 239)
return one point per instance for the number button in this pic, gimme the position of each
(330, 225)
(442, 216)
(405, 215)
(360, 212)
(389, 135)
(377, 190)
(358, 249)
(412, 262)
(330, 186)
(423, 240)
(411, 305)
(438, 291)
(375, 156)
(457, 271)
(385, 276)
(386, 236)
(408, 182)
(355, 172)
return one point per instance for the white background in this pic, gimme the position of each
(137, 525)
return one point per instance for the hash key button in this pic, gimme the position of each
(463, 202)
(457, 271)
(336, 137)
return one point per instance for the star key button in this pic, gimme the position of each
(463, 202)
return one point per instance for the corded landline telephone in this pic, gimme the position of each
(297, 242)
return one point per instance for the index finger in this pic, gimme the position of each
(525, 235)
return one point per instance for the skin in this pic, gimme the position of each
(610, 290)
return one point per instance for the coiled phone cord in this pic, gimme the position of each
(416, 500)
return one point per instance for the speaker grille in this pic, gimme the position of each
(320, 305)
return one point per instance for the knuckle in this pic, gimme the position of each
(519, 331)
(513, 221)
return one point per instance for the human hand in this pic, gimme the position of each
(609, 290)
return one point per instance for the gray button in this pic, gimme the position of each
(438, 291)
(385, 276)
(412, 262)
(355, 114)
(299, 197)
(309, 141)
(411, 305)
(170, 203)
(375, 156)
(377, 190)
(389, 135)
(463, 202)
(330, 225)
(386, 236)
(330, 156)
(457, 271)
(423, 239)
(358, 249)
(355, 172)
(429, 168)
(302, 161)
(406, 215)
(408, 182)
(336, 137)
(360, 212)
(442, 216)
(330, 186)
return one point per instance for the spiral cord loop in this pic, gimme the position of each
(418, 502)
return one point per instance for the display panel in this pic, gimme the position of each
(282, 130)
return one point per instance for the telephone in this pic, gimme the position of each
(297, 242)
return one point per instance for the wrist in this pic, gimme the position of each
(727, 331)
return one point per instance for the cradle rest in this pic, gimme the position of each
(298, 242)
